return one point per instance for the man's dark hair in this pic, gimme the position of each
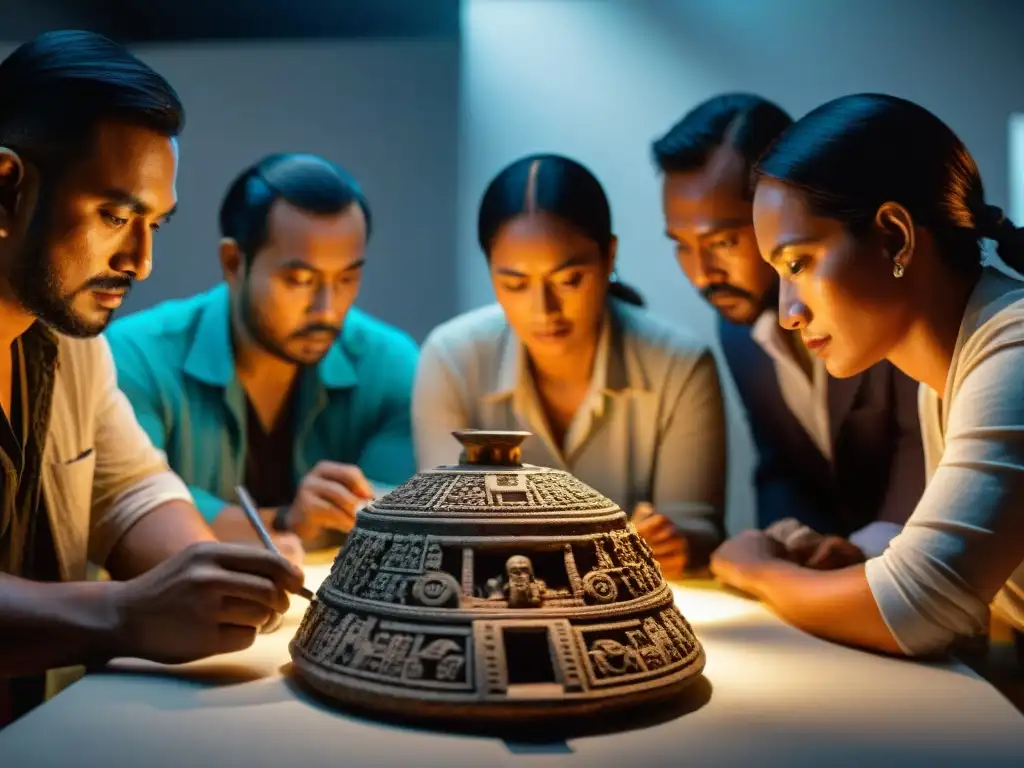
(308, 182)
(55, 89)
(743, 121)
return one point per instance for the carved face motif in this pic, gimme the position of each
(519, 569)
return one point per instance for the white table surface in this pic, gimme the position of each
(777, 697)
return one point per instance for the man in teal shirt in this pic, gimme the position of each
(273, 379)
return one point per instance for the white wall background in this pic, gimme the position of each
(386, 110)
(599, 79)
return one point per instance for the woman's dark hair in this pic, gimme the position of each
(855, 153)
(557, 186)
(56, 88)
(309, 182)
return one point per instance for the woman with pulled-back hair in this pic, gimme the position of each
(628, 404)
(873, 213)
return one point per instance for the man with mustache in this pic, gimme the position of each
(88, 167)
(273, 379)
(841, 464)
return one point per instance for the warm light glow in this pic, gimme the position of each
(703, 607)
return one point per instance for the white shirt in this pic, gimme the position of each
(805, 396)
(963, 547)
(651, 429)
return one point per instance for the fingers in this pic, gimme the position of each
(252, 589)
(834, 552)
(232, 637)
(347, 475)
(245, 613)
(241, 559)
(328, 499)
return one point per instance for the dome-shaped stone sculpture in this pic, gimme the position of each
(493, 589)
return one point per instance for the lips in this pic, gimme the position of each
(109, 299)
(552, 334)
(816, 344)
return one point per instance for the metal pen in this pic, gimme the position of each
(249, 507)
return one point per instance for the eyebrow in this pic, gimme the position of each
(124, 198)
(785, 246)
(714, 228)
(300, 264)
(579, 260)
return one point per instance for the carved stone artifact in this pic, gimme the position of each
(493, 589)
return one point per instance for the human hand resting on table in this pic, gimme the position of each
(805, 546)
(328, 498)
(670, 547)
(737, 562)
(211, 598)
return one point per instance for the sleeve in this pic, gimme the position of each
(131, 476)
(438, 408)
(689, 482)
(966, 536)
(387, 457)
(135, 379)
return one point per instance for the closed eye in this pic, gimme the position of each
(112, 220)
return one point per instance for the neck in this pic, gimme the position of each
(926, 351)
(254, 363)
(14, 320)
(570, 368)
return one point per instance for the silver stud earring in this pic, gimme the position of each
(898, 270)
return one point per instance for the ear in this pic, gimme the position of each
(12, 174)
(896, 229)
(232, 260)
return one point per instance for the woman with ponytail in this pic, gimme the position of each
(627, 403)
(873, 213)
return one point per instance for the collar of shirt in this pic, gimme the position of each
(615, 372)
(211, 356)
(805, 396)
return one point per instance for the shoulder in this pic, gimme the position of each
(988, 369)
(161, 332)
(476, 333)
(993, 323)
(368, 339)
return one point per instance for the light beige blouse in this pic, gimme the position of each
(652, 428)
(963, 547)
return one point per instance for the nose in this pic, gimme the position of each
(793, 313)
(325, 305)
(135, 258)
(701, 266)
(544, 300)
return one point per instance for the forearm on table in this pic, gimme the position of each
(834, 605)
(158, 535)
(45, 625)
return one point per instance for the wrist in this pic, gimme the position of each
(766, 575)
(105, 621)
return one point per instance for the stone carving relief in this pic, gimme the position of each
(443, 598)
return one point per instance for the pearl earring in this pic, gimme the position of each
(898, 270)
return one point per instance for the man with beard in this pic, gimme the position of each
(841, 464)
(88, 161)
(273, 379)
